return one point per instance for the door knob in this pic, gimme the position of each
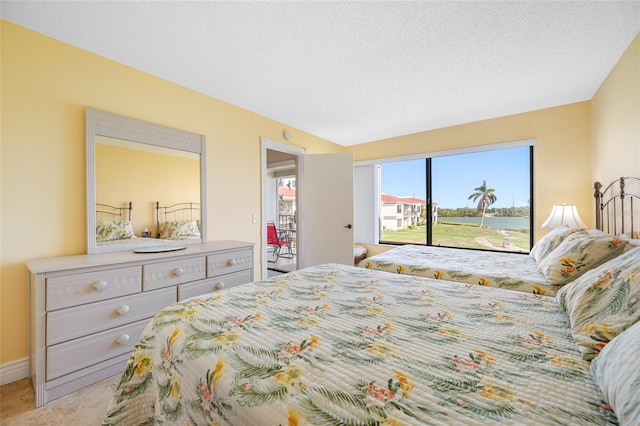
(348, 226)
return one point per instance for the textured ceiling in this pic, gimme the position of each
(354, 72)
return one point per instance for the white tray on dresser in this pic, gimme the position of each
(87, 311)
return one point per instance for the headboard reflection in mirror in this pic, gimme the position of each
(133, 163)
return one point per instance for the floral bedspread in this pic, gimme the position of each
(336, 344)
(486, 268)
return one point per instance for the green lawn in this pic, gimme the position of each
(458, 236)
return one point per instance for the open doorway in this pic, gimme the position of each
(280, 204)
(281, 214)
(323, 227)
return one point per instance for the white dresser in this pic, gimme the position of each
(88, 311)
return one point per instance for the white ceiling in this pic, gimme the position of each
(354, 72)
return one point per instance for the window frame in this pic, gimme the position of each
(428, 156)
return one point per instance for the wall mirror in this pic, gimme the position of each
(146, 184)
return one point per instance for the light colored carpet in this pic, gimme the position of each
(85, 407)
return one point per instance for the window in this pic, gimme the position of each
(478, 200)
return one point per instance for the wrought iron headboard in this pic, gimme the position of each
(613, 214)
(179, 211)
(112, 212)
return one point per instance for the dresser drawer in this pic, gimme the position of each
(210, 285)
(164, 274)
(70, 290)
(77, 354)
(229, 261)
(71, 323)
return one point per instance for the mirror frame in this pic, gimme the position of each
(102, 123)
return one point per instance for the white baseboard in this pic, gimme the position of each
(14, 371)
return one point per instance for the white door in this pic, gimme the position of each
(325, 230)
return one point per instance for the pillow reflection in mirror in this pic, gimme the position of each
(108, 230)
(179, 228)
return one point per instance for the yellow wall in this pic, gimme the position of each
(46, 86)
(562, 155)
(615, 120)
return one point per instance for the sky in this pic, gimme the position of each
(456, 176)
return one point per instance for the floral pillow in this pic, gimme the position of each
(616, 371)
(603, 302)
(550, 241)
(109, 230)
(179, 228)
(577, 254)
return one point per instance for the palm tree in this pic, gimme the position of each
(485, 197)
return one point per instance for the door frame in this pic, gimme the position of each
(298, 152)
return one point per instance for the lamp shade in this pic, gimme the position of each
(564, 215)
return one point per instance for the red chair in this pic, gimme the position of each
(278, 240)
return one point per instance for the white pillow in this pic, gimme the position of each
(597, 232)
(577, 254)
(550, 241)
(631, 241)
(616, 371)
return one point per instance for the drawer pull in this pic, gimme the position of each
(218, 286)
(100, 285)
(123, 340)
(231, 262)
(177, 272)
(122, 310)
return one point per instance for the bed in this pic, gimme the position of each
(480, 267)
(616, 209)
(114, 227)
(175, 224)
(359, 254)
(536, 273)
(544, 271)
(109, 212)
(180, 221)
(337, 344)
